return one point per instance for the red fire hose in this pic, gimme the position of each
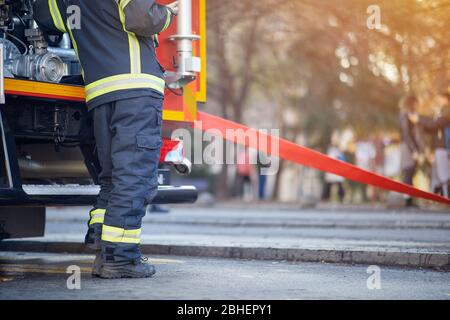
(295, 153)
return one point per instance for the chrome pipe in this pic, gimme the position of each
(184, 28)
(65, 43)
(66, 54)
(53, 169)
(184, 38)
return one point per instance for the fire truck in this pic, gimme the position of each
(47, 150)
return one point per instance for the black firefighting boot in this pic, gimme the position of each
(97, 265)
(94, 233)
(93, 238)
(134, 269)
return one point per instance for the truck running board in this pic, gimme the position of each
(73, 195)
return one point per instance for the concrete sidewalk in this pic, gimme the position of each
(379, 236)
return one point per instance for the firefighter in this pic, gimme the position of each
(115, 42)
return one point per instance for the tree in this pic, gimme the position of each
(318, 59)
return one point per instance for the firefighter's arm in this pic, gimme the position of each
(146, 17)
(47, 15)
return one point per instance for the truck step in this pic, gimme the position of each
(72, 195)
(71, 189)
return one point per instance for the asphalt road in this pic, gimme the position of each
(43, 276)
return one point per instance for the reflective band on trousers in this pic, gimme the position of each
(119, 235)
(56, 16)
(122, 82)
(97, 216)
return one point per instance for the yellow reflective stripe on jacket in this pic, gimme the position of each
(56, 16)
(59, 24)
(123, 82)
(156, 40)
(119, 235)
(135, 49)
(75, 47)
(124, 3)
(97, 216)
(168, 19)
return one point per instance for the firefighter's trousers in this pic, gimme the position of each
(128, 139)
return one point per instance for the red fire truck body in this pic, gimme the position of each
(47, 157)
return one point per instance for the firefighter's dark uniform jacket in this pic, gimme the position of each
(115, 43)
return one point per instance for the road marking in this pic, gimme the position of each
(34, 268)
(17, 268)
(4, 279)
(165, 261)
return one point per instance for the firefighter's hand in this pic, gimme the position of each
(174, 7)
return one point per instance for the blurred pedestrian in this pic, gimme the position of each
(263, 163)
(437, 127)
(365, 154)
(332, 179)
(378, 162)
(244, 174)
(157, 208)
(412, 147)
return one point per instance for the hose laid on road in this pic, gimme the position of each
(301, 155)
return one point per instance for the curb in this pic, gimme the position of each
(294, 225)
(386, 258)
